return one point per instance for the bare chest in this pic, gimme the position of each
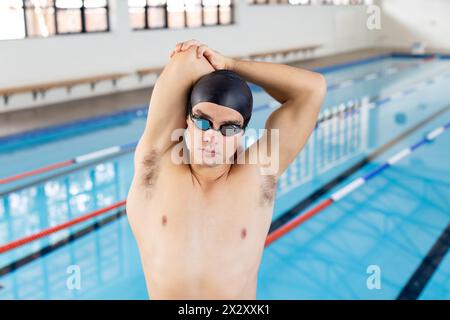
(206, 241)
(183, 233)
(180, 220)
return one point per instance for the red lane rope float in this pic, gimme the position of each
(274, 235)
(270, 238)
(46, 232)
(34, 172)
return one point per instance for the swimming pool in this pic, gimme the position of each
(373, 109)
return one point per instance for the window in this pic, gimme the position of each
(80, 16)
(68, 16)
(175, 14)
(96, 15)
(39, 18)
(43, 18)
(12, 23)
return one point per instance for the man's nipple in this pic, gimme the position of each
(243, 233)
(164, 220)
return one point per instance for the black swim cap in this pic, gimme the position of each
(226, 88)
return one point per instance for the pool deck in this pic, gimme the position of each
(40, 117)
(398, 223)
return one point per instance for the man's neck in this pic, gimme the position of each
(208, 176)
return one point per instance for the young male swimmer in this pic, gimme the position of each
(201, 224)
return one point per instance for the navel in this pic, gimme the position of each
(243, 233)
(164, 220)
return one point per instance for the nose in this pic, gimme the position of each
(211, 136)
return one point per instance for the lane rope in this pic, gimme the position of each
(38, 235)
(276, 234)
(355, 184)
(92, 156)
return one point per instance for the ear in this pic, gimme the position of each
(186, 139)
(240, 145)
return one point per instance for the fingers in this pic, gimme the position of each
(202, 49)
(187, 44)
(207, 52)
(177, 49)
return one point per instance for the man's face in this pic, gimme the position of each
(211, 147)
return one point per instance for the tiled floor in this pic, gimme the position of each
(24, 120)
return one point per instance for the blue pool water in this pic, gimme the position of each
(392, 222)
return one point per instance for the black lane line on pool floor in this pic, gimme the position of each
(416, 284)
(287, 216)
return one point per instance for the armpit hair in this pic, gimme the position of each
(151, 168)
(268, 189)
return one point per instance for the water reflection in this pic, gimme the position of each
(100, 257)
(54, 202)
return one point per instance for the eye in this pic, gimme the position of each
(234, 126)
(201, 123)
(231, 129)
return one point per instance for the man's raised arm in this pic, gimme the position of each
(300, 93)
(167, 109)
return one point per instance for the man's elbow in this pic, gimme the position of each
(315, 86)
(314, 90)
(319, 85)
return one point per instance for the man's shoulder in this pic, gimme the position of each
(153, 165)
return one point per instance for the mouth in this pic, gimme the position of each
(208, 152)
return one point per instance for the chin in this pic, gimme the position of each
(210, 162)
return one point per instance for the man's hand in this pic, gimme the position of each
(217, 60)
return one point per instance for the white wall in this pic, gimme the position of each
(256, 29)
(408, 21)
